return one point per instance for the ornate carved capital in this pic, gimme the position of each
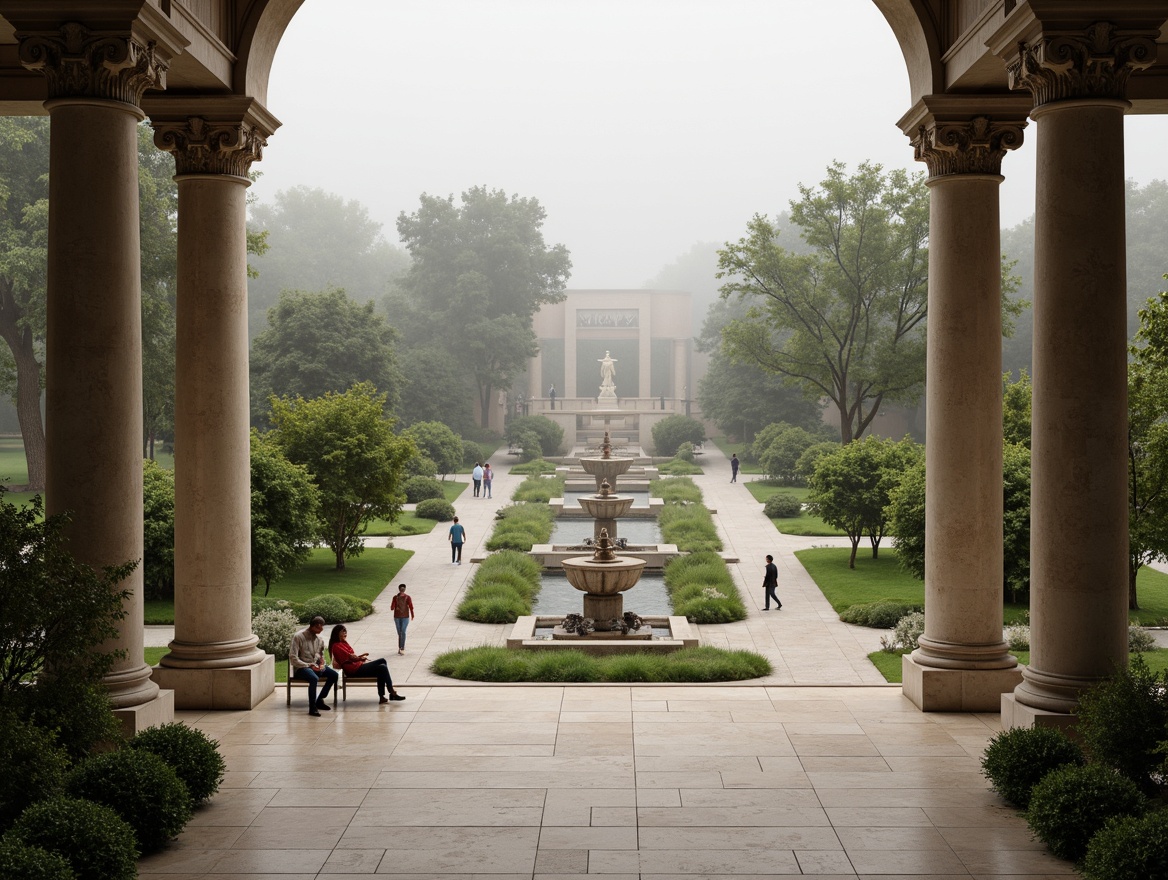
(1092, 63)
(975, 146)
(202, 147)
(79, 62)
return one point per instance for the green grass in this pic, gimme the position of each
(536, 466)
(407, 523)
(153, 655)
(702, 590)
(676, 489)
(889, 664)
(690, 527)
(488, 663)
(13, 467)
(1152, 592)
(804, 523)
(675, 467)
(503, 588)
(364, 576)
(519, 526)
(539, 489)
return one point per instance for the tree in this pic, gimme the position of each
(741, 397)
(480, 271)
(316, 240)
(906, 513)
(438, 443)
(322, 342)
(847, 320)
(1016, 406)
(158, 531)
(53, 609)
(1147, 442)
(851, 487)
(284, 512)
(348, 445)
(780, 458)
(434, 389)
(672, 431)
(549, 435)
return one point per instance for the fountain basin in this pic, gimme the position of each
(669, 634)
(606, 506)
(603, 578)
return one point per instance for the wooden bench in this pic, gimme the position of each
(342, 685)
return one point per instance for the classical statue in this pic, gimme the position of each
(607, 371)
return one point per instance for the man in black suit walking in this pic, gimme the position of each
(770, 582)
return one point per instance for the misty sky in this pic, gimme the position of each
(642, 126)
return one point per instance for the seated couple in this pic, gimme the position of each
(306, 654)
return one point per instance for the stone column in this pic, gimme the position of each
(962, 664)
(1079, 510)
(213, 661)
(93, 424)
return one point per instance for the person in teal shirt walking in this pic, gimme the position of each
(456, 537)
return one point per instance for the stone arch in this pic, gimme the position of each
(919, 36)
(259, 37)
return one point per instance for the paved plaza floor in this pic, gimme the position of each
(820, 769)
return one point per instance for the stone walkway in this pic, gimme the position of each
(821, 769)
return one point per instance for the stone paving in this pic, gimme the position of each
(821, 769)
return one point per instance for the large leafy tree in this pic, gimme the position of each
(284, 512)
(846, 321)
(321, 342)
(480, 271)
(438, 443)
(1147, 443)
(348, 445)
(851, 487)
(316, 240)
(435, 389)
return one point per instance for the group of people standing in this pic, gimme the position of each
(482, 476)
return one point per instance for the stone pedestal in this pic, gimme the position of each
(603, 608)
(956, 690)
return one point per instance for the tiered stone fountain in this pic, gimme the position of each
(603, 577)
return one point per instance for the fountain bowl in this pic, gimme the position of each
(603, 578)
(606, 506)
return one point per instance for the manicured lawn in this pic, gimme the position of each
(364, 577)
(804, 523)
(13, 468)
(890, 668)
(407, 523)
(729, 449)
(871, 579)
(1152, 593)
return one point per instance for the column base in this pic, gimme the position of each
(956, 690)
(152, 713)
(1016, 714)
(235, 687)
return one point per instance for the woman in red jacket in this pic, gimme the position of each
(359, 665)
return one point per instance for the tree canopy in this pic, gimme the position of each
(321, 342)
(846, 320)
(284, 512)
(348, 445)
(480, 271)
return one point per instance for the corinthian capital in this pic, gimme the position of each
(79, 62)
(202, 147)
(1091, 63)
(973, 146)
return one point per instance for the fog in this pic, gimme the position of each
(642, 126)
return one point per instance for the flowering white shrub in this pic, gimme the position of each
(712, 593)
(904, 637)
(1017, 637)
(275, 627)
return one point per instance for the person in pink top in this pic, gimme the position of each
(403, 613)
(488, 475)
(359, 665)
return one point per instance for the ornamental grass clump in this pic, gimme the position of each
(489, 663)
(503, 588)
(536, 466)
(539, 489)
(702, 589)
(690, 527)
(1070, 804)
(675, 467)
(1016, 760)
(521, 526)
(676, 490)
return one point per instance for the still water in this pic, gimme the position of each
(637, 531)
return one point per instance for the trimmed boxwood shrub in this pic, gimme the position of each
(1071, 803)
(783, 505)
(95, 840)
(1017, 760)
(882, 614)
(77, 712)
(1124, 720)
(33, 765)
(420, 488)
(1129, 848)
(435, 508)
(141, 788)
(672, 431)
(32, 863)
(190, 753)
(330, 606)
